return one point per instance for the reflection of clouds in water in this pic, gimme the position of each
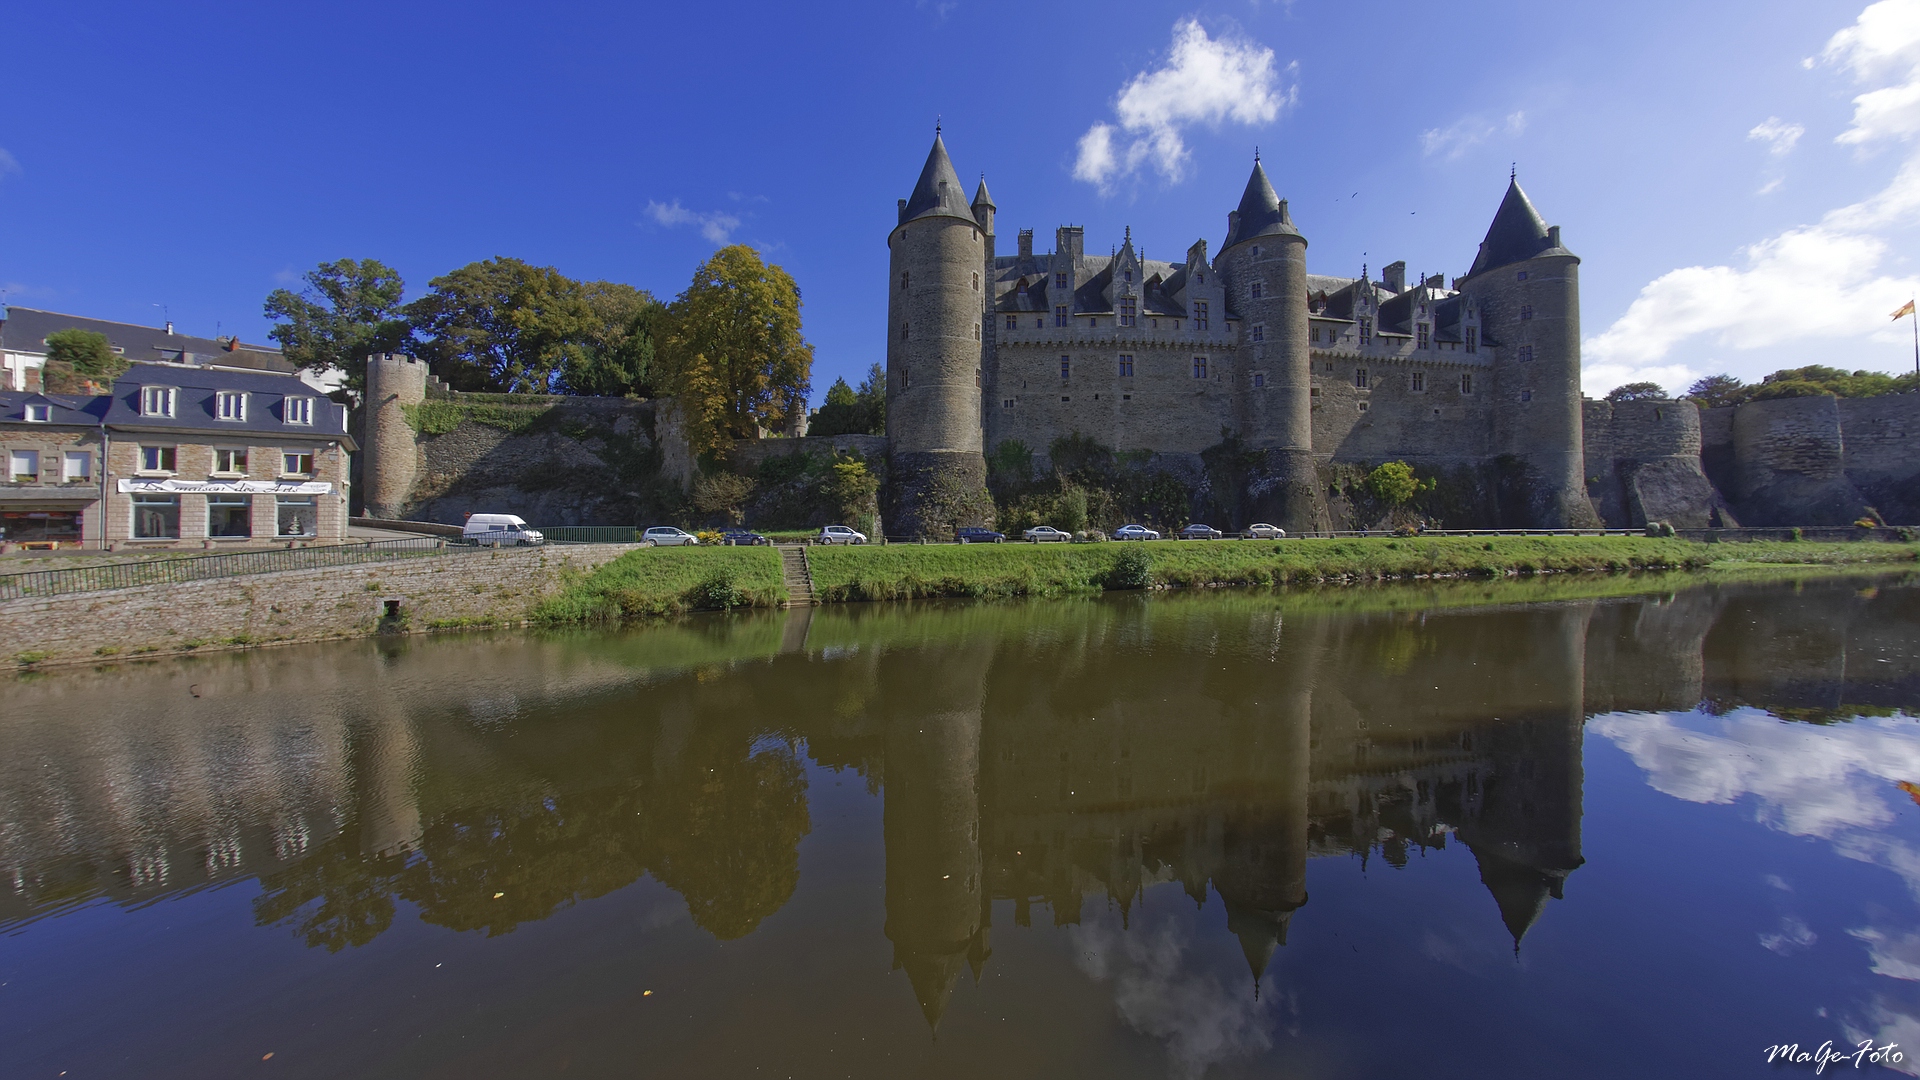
(1794, 936)
(1890, 1021)
(1898, 957)
(1164, 992)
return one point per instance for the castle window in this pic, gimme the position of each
(1256, 290)
(296, 410)
(1256, 251)
(1040, 323)
(976, 331)
(1199, 367)
(1200, 315)
(1060, 315)
(1129, 312)
(1259, 332)
(1526, 312)
(1259, 379)
(1060, 280)
(1013, 322)
(1007, 404)
(1366, 329)
(1066, 399)
(904, 334)
(1521, 276)
(1066, 365)
(976, 282)
(1126, 397)
(1329, 365)
(1526, 395)
(1126, 276)
(1360, 378)
(1466, 383)
(1526, 354)
(1126, 366)
(976, 378)
(1420, 335)
(1313, 334)
(1363, 406)
(903, 281)
(1473, 339)
(1419, 382)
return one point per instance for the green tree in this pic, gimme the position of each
(848, 411)
(78, 360)
(349, 309)
(610, 345)
(872, 398)
(1716, 391)
(1638, 391)
(733, 354)
(502, 325)
(853, 488)
(723, 495)
(1392, 483)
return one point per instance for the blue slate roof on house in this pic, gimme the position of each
(69, 409)
(25, 330)
(198, 386)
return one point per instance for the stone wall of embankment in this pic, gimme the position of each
(460, 588)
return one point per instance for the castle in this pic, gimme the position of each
(1171, 357)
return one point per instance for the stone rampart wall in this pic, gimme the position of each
(465, 587)
(749, 453)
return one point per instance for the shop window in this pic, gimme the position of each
(296, 516)
(22, 526)
(156, 517)
(229, 516)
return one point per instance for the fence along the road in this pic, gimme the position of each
(128, 575)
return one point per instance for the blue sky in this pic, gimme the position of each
(1740, 181)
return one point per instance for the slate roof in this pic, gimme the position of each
(980, 197)
(194, 408)
(1517, 234)
(938, 192)
(25, 329)
(68, 409)
(1262, 212)
(1162, 281)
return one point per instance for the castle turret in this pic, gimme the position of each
(1527, 287)
(938, 282)
(390, 460)
(1264, 262)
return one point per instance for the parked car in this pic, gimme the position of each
(840, 534)
(666, 536)
(980, 536)
(1041, 533)
(1264, 531)
(1197, 531)
(739, 537)
(508, 529)
(1135, 532)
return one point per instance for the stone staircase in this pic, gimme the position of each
(796, 575)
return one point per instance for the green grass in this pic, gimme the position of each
(666, 581)
(898, 572)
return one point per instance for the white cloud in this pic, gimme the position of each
(1468, 132)
(715, 225)
(1779, 135)
(1882, 44)
(1205, 80)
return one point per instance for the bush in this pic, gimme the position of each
(1866, 523)
(1132, 570)
(1659, 528)
(720, 591)
(1392, 483)
(708, 536)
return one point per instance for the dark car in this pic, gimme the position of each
(742, 537)
(1197, 531)
(980, 536)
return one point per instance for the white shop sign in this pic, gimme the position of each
(225, 487)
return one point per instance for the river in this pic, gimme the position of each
(1460, 830)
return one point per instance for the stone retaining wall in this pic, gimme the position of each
(454, 589)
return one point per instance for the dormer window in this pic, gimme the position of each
(1420, 335)
(1126, 276)
(1473, 339)
(1199, 314)
(297, 410)
(157, 400)
(230, 405)
(1129, 313)
(39, 413)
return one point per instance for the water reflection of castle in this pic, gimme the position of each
(1042, 756)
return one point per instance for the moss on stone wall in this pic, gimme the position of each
(442, 417)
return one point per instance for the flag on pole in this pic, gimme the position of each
(1905, 309)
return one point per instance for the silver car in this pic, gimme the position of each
(840, 534)
(1135, 532)
(1042, 533)
(1264, 531)
(666, 536)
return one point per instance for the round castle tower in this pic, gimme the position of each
(1264, 263)
(1528, 289)
(390, 459)
(937, 283)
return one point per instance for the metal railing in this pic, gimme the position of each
(589, 534)
(129, 575)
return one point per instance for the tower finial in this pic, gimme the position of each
(936, 125)
(1513, 171)
(1256, 155)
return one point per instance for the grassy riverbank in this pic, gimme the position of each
(667, 581)
(898, 572)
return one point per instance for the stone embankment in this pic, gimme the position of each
(459, 588)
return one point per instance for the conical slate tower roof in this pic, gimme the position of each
(1262, 211)
(980, 196)
(1518, 233)
(1520, 891)
(938, 191)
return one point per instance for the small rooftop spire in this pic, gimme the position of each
(936, 125)
(1513, 171)
(1256, 155)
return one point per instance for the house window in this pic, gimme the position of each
(1366, 330)
(1259, 379)
(1360, 378)
(1060, 315)
(1473, 339)
(1126, 366)
(1128, 313)
(1466, 383)
(1013, 322)
(1526, 312)
(1060, 280)
(79, 466)
(1419, 382)
(157, 459)
(903, 281)
(296, 463)
(1199, 314)
(156, 517)
(1259, 332)
(230, 459)
(1199, 367)
(156, 400)
(230, 515)
(230, 405)
(23, 466)
(39, 413)
(1526, 395)
(1066, 365)
(1420, 335)
(1526, 354)
(297, 410)
(296, 516)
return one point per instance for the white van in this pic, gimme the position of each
(507, 530)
